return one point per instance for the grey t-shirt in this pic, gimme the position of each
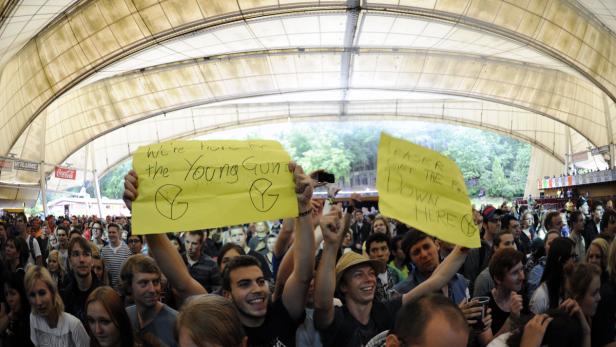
(159, 332)
(483, 283)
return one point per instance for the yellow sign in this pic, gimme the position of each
(425, 190)
(190, 185)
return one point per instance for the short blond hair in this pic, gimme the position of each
(604, 246)
(56, 254)
(39, 273)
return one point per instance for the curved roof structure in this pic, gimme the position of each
(117, 74)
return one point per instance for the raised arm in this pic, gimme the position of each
(296, 287)
(441, 275)
(325, 280)
(285, 237)
(161, 249)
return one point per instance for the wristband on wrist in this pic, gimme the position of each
(305, 213)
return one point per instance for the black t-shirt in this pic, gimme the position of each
(498, 316)
(604, 320)
(75, 299)
(278, 329)
(18, 332)
(345, 330)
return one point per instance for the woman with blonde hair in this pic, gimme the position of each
(49, 324)
(597, 254)
(108, 322)
(99, 268)
(210, 320)
(55, 267)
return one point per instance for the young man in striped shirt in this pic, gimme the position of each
(114, 254)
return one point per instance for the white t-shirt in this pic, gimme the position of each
(540, 302)
(500, 340)
(36, 248)
(68, 333)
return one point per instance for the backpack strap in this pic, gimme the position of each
(31, 247)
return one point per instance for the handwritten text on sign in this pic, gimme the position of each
(425, 190)
(190, 185)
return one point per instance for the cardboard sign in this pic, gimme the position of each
(191, 185)
(426, 190)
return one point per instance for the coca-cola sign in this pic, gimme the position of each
(65, 173)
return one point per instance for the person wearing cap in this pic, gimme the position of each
(582, 206)
(478, 258)
(354, 277)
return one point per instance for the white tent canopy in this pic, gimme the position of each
(116, 73)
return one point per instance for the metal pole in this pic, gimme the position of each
(96, 186)
(98, 195)
(42, 168)
(43, 188)
(567, 149)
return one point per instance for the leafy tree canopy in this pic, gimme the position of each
(489, 162)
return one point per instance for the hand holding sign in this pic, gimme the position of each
(304, 186)
(426, 190)
(189, 185)
(130, 189)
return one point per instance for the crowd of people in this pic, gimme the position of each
(336, 275)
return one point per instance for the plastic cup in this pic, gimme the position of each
(482, 301)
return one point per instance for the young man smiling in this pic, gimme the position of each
(153, 321)
(354, 276)
(266, 323)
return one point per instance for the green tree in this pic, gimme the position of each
(497, 163)
(112, 183)
(498, 180)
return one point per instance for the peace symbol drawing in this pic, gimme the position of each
(259, 196)
(167, 203)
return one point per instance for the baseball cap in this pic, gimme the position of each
(490, 212)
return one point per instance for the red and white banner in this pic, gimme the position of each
(65, 173)
(6, 165)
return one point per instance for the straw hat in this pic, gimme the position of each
(351, 259)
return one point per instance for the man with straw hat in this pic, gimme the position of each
(353, 277)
